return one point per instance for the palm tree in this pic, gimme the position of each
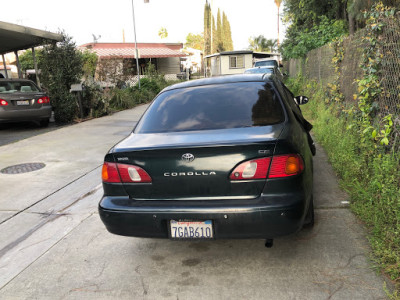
(278, 4)
(163, 33)
(261, 44)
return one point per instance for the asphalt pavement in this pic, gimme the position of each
(54, 246)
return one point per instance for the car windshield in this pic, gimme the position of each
(220, 106)
(259, 71)
(13, 86)
(271, 63)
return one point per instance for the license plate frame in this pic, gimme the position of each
(22, 102)
(191, 229)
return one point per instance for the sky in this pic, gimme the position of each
(81, 19)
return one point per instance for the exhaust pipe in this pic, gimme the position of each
(269, 243)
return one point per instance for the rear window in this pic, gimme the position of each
(260, 71)
(17, 86)
(221, 106)
(271, 63)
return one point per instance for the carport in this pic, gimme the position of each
(15, 37)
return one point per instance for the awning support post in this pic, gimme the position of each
(5, 66)
(36, 67)
(18, 65)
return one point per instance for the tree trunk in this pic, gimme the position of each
(352, 24)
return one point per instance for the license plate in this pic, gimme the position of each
(191, 229)
(23, 102)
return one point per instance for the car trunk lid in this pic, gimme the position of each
(196, 165)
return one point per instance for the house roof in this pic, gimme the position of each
(238, 52)
(15, 37)
(127, 50)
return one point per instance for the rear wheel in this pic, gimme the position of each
(309, 220)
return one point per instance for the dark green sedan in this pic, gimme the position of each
(225, 157)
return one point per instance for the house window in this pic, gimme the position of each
(236, 62)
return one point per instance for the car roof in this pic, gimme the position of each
(221, 80)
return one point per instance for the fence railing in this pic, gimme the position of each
(318, 66)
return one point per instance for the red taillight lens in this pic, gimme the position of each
(286, 165)
(252, 169)
(114, 173)
(109, 173)
(3, 102)
(134, 174)
(43, 100)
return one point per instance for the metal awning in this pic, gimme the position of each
(15, 37)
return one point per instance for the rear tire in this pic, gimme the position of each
(44, 123)
(309, 219)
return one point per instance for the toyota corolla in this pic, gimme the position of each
(226, 157)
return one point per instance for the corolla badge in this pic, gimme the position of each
(188, 157)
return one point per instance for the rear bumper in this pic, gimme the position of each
(264, 217)
(43, 113)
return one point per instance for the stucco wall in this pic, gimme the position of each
(225, 70)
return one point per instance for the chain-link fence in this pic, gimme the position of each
(318, 66)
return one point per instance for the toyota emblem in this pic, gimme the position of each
(188, 157)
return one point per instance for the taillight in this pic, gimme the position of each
(131, 173)
(252, 169)
(3, 102)
(286, 165)
(109, 173)
(43, 100)
(281, 166)
(114, 173)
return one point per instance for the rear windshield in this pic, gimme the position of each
(221, 106)
(264, 63)
(17, 86)
(259, 71)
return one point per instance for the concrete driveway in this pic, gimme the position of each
(54, 246)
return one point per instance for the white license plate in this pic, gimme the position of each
(191, 229)
(23, 102)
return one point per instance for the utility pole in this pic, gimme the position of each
(136, 50)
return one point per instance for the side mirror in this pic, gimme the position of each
(301, 100)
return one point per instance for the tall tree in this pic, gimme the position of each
(219, 42)
(195, 41)
(278, 4)
(207, 29)
(214, 40)
(217, 36)
(163, 33)
(226, 34)
(261, 44)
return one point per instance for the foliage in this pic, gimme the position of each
(195, 41)
(299, 43)
(227, 42)
(371, 177)
(304, 17)
(163, 33)
(207, 29)
(371, 125)
(217, 36)
(26, 59)
(261, 44)
(90, 60)
(61, 66)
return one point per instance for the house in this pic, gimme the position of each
(11, 72)
(232, 62)
(194, 60)
(119, 59)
